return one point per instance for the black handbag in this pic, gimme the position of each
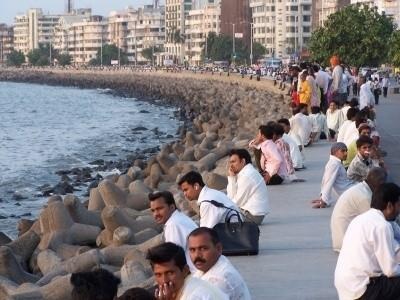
(237, 238)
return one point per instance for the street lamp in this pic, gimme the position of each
(233, 43)
(251, 43)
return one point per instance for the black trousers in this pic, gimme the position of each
(382, 288)
(324, 102)
(385, 89)
(355, 89)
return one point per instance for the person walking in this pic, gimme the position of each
(385, 85)
(377, 90)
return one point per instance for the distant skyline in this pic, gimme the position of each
(9, 9)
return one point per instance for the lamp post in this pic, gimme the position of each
(251, 43)
(233, 43)
(101, 50)
(50, 52)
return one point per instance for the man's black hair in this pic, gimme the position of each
(362, 140)
(192, 178)
(278, 129)
(242, 154)
(267, 131)
(385, 194)
(205, 230)
(137, 294)
(284, 121)
(351, 113)
(166, 195)
(95, 285)
(167, 252)
(315, 109)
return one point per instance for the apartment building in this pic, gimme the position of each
(118, 28)
(236, 19)
(86, 37)
(176, 12)
(322, 9)
(283, 27)
(32, 29)
(62, 39)
(199, 23)
(389, 7)
(6, 42)
(145, 29)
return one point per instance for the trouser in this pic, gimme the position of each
(385, 90)
(257, 158)
(251, 218)
(324, 102)
(355, 89)
(275, 180)
(376, 96)
(382, 288)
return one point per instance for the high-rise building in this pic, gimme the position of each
(283, 27)
(236, 19)
(176, 12)
(32, 29)
(69, 6)
(118, 29)
(63, 42)
(6, 42)
(324, 8)
(389, 7)
(145, 29)
(199, 23)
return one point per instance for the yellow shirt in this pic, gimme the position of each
(305, 92)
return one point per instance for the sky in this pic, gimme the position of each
(10, 8)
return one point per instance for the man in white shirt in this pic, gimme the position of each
(385, 85)
(366, 96)
(367, 267)
(300, 124)
(335, 177)
(350, 118)
(319, 124)
(206, 254)
(353, 202)
(177, 225)
(322, 78)
(173, 278)
(193, 188)
(246, 187)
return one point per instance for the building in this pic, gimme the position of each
(86, 37)
(62, 40)
(6, 42)
(324, 8)
(145, 29)
(32, 29)
(199, 23)
(118, 29)
(283, 27)
(176, 12)
(389, 7)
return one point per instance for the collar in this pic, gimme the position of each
(202, 194)
(171, 217)
(333, 157)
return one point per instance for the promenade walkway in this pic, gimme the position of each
(296, 260)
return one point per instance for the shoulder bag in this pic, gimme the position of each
(237, 238)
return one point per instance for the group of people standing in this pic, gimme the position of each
(364, 225)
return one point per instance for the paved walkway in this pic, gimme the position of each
(296, 260)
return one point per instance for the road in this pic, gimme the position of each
(296, 260)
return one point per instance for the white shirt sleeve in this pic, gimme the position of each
(328, 181)
(173, 235)
(209, 216)
(384, 251)
(232, 187)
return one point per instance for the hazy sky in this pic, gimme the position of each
(10, 8)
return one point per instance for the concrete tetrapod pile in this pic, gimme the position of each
(114, 228)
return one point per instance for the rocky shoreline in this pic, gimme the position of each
(114, 228)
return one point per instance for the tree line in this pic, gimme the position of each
(360, 35)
